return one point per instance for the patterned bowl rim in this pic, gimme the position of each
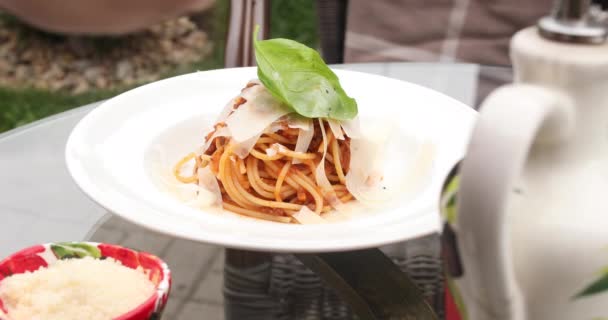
(158, 298)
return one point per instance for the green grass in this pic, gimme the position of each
(293, 19)
(19, 107)
(296, 20)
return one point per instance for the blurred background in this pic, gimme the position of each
(51, 63)
(61, 54)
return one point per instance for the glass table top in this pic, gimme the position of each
(40, 203)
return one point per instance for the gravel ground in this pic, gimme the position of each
(30, 58)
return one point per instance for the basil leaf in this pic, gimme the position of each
(68, 250)
(297, 75)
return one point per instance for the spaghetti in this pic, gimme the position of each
(274, 181)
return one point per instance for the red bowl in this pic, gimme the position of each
(33, 258)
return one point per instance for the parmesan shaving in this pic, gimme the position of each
(271, 152)
(230, 106)
(335, 129)
(281, 148)
(255, 115)
(186, 192)
(242, 149)
(352, 128)
(304, 138)
(227, 110)
(321, 177)
(254, 81)
(295, 121)
(209, 193)
(280, 124)
(386, 164)
(202, 195)
(306, 216)
(220, 132)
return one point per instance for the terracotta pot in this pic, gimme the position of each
(99, 16)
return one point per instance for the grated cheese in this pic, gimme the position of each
(84, 288)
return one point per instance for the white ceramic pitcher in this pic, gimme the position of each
(526, 236)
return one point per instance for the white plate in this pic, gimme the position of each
(108, 155)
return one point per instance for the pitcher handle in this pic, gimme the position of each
(512, 119)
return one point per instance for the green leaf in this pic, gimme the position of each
(600, 285)
(68, 250)
(297, 75)
(448, 200)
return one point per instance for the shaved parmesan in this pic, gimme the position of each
(254, 116)
(254, 81)
(185, 192)
(209, 193)
(305, 136)
(295, 121)
(227, 110)
(352, 128)
(306, 216)
(280, 124)
(335, 129)
(242, 149)
(231, 104)
(202, 195)
(271, 152)
(385, 164)
(328, 191)
(220, 132)
(281, 148)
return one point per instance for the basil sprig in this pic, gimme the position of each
(297, 75)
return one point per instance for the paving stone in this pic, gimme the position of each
(199, 311)
(218, 264)
(113, 222)
(118, 223)
(172, 308)
(15, 235)
(210, 289)
(189, 262)
(147, 241)
(109, 236)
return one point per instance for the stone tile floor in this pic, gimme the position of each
(196, 268)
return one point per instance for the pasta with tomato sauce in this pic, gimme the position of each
(294, 164)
